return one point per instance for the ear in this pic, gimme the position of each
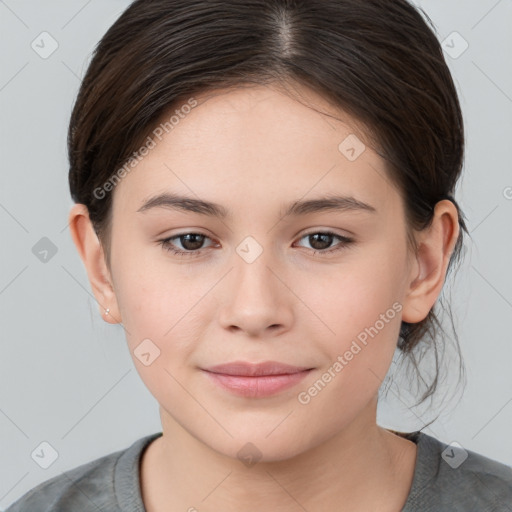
(92, 254)
(435, 246)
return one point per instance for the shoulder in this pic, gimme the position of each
(96, 485)
(450, 478)
(78, 488)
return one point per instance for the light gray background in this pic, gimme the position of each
(66, 377)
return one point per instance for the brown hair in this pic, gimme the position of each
(377, 60)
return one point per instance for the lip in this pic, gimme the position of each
(242, 368)
(258, 380)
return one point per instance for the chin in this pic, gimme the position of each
(253, 446)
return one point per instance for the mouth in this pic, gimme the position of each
(258, 380)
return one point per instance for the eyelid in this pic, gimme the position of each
(179, 235)
(332, 231)
(299, 235)
(344, 242)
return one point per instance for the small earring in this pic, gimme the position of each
(106, 311)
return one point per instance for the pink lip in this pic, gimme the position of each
(256, 380)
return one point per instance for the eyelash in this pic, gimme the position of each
(166, 243)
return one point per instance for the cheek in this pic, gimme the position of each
(361, 311)
(161, 328)
(148, 294)
(354, 296)
(359, 356)
(162, 305)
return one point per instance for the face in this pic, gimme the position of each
(318, 287)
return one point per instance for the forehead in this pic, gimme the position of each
(250, 144)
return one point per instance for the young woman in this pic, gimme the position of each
(265, 202)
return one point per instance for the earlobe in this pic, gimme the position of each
(435, 246)
(92, 255)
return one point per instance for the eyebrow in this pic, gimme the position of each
(189, 204)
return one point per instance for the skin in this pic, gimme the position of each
(254, 150)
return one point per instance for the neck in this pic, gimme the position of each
(352, 470)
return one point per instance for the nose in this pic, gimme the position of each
(256, 299)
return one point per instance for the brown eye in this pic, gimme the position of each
(321, 241)
(190, 242)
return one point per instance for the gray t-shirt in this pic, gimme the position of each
(442, 482)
